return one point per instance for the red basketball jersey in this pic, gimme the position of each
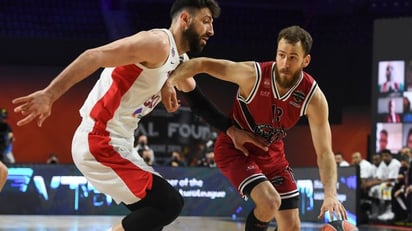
(268, 114)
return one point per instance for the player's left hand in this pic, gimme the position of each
(335, 209)
(240, 137)
(169, 97)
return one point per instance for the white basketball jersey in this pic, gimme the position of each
(123, 95)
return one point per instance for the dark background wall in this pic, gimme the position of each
(38, 38)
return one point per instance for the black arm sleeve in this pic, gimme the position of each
(202, 107)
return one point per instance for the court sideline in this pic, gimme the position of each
(95, 223)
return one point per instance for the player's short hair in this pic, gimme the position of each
(190, 5)
(294, 34)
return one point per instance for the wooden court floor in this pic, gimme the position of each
(95, 223)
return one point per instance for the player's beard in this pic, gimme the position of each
(285, 82)
(194, 40)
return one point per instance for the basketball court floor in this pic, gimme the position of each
(97, 223)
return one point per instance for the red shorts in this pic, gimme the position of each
(244, 170)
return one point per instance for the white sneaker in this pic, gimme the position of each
(389, 215)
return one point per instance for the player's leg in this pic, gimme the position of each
(119, 173)
(287, 219)
(247, 177)
(160, 207)
(267, 202)
(3, 175)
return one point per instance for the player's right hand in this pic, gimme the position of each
(36, 105)
(169, 97)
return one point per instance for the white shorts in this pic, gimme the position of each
(111, 166)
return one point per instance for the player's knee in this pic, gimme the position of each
(268, 208)
(176, 202)
(272, 205)
(174, 207)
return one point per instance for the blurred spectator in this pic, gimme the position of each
(197, 152)
(407, 110)
(147, 155)
(392, 116)
(385, 177)
(399, 203)
(53, 159)
(177, 159)
(208, 160)
(383, 139)
(141, 144)
(390, 85)
(407, 152)
(367, 172)
(6, 139)
(376, 161)
(366, 168)
(408, 193)
(340, 161)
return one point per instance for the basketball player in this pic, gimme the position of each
(129, 87)
(271, 98)
(3, 175)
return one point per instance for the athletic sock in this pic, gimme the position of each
(253, 224)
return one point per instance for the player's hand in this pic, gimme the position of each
(169, 97)
(34, 106)
(240, 137)
(335, 209)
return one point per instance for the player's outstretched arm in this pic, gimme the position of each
(137, 48)
(38, 104)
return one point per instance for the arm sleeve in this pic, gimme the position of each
(202, 107)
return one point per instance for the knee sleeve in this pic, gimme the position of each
(160, 207)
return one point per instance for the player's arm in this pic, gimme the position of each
(138, 48)
(242, 74)
(182, 78)
(318, 114)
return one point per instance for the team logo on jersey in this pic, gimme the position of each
(277, 180)
(298, 97)
(152, 101)
(147, 107)
(271, 134)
